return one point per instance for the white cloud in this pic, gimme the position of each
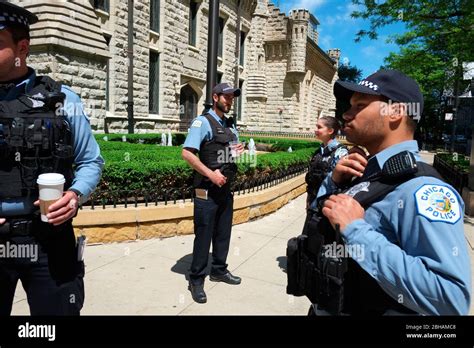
(325, 41)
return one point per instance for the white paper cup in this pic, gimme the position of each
(51, 187)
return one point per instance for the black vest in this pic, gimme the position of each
(340, 285)
(319, 167)
(35, 138)
(215, 154)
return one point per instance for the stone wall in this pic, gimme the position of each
(75, 55)
(287, 79)
(298, 79)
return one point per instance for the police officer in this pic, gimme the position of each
(400, 224)
(43, 128)
(325, 158)
(211, 135)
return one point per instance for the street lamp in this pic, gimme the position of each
(212, 34)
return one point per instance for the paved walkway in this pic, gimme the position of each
(148, 277)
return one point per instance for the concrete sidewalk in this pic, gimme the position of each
(148, 277)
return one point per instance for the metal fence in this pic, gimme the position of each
(134, 198)
(277, 134)
(454, 177)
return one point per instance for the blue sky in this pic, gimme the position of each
(337, 30)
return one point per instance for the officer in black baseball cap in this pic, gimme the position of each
(225, 88)
(13, 15)
(387, 205)
(392, 84)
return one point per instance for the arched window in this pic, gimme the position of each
(188, 100)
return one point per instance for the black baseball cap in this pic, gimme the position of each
(13, 15)
(392, 84)
(225, 88)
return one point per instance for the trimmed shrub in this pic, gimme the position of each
(142, 166)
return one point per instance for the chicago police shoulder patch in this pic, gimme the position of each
(438, 203)
(197, 124)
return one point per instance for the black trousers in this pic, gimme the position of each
(53, 279)
(212, 223)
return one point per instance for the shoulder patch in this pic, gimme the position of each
(197, 124)
(363, 186)
(438, 203)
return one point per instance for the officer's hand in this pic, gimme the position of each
(2, 221)
(217, 178)
(349, 166)
(342, 209)
(239, 148)
(62, 210)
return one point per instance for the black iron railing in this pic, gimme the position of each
(309, 135)
(155, 197)
(456, 178)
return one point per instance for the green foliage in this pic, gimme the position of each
(446, 26)
(437, 42)
(281, 144)
(151, 138)
(459, 162)
(150, 167)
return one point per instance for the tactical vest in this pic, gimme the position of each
(215, 154)
(338, 284)
(35, 138)
(319, 167)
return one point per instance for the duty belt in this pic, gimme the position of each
(16, 227)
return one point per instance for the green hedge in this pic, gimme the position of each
(462, 163)
(279, 144)
(143, 166)
(153, 138)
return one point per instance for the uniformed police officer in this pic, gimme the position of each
(325, 158)
(211, 135)
(399, 221)
(43, 128)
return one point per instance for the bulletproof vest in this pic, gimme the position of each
(35, 138)
(319, 167)
(215, 154)
(338, 284)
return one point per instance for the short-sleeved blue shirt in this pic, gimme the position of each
(201, 130)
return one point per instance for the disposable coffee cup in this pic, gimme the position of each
(51, 187)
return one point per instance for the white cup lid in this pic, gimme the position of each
(51, 179)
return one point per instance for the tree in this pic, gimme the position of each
(445, 25)
(438, 40)
(348, 73)
(429, 71)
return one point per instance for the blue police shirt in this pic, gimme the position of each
(200, 131)
(340, 152)
(87, 158)
(413, 242)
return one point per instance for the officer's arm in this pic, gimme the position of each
(189, 156)
(328, 186)
(340, 152)
(429, 270)
(198, 132)
(87, 158)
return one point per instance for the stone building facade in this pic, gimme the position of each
(285, 77)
